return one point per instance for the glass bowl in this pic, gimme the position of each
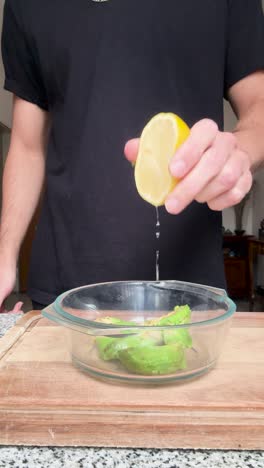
(129, 331)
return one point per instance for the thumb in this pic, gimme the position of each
(17, 308)
(131, 149)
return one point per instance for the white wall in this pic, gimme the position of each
(5, 97)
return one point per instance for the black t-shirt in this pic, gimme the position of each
(102, 69)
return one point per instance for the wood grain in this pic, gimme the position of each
(45, 400)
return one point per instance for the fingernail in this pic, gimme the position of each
(172, 206)
(178, 168)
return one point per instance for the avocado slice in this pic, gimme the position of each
(103, 343)
(150, 352)
(114, 321)
(110, 347)
(180, 315)
(178, 336)
(153, 360)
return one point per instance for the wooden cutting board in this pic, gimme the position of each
(45, 400)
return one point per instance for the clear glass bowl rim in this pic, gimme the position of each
(219, 295)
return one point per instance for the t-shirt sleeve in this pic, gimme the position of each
(22, 73)
(245, 40)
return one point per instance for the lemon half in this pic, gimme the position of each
(161, 137)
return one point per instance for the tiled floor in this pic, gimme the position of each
(242, 306)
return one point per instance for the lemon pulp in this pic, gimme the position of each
(160, 139)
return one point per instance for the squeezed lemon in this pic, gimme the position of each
(160, 139)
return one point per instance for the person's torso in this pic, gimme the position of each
(107, 67)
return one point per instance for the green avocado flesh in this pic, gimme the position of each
(113, 321)
(110, 347)
(150, 352)
(153, 360)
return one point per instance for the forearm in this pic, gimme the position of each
(250, 133)
(22, 183)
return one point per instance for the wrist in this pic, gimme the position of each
(8, 254)
(244, 143)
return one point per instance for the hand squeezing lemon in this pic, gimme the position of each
(160, 139)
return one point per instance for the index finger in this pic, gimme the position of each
(202, 136)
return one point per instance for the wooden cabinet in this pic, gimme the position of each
(256, 248)
(236, 276)
(237, 265)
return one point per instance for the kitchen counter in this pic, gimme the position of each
(70, 457)
(7, 321)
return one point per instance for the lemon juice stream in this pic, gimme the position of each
(157, 237)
